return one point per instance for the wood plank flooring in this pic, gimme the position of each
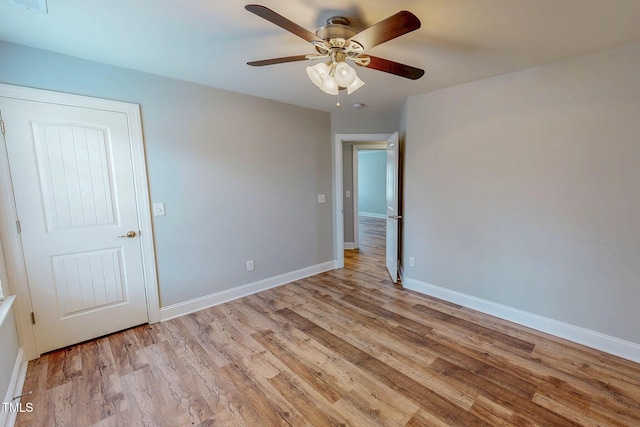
(343, 348)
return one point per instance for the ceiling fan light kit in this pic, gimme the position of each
(333, 77)
(338, 42)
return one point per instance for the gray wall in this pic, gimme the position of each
(8, 355)
(239, 174)
(364, 121)
(372, 182)
(524, 190)
(9, 346)
(357, 122)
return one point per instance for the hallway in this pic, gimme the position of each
(370, 256)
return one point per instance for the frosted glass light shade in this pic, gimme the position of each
(355, 85)
(344, 74)
(318, 73)
(331, 78)
(329, 85)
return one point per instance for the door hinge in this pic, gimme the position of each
(18, 226)
(33, 318)
(2, 126)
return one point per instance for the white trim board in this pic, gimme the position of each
(180, 309)
(5, 308)
(8, 419)
(599, 341)
(349, 245)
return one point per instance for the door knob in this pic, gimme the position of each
(130, 234)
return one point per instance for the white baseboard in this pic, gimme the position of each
(372, 215)
(349, 245)
(8, 419)
(616, 346)
(197, 304)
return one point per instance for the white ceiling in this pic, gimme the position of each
(210, 41)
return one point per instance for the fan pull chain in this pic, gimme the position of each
(338, 103)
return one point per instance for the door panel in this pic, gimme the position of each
(89, 280)
(75, 197)
(392, 207)
(74, 175)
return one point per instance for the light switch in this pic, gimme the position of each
(348, 193)
(158, 209)
(322, 198)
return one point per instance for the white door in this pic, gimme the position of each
(73, 184)
(392, 206)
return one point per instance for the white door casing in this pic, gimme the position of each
(76, 191)
(392, 207)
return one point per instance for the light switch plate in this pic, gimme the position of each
(348, 193)
(322, 198)
(158, 209)
(35, 5)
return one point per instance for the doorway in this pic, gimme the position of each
(75, 217)
(368, 196)
(392, 218)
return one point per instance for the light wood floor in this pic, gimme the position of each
(345, 347)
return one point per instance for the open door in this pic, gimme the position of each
(392, 207)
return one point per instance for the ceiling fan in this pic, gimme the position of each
(338, 42)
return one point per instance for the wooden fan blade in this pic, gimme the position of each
(394, 26)
(396, 68)
(281, 21)
(282, 60)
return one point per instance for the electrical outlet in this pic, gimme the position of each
(412, 261)
(250, 265)
(322, 198)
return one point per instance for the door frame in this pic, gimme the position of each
(338, 188)
(11, 241)
(355, 190)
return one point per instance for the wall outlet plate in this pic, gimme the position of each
(158, 209)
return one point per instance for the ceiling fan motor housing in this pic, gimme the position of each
(337, 28)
